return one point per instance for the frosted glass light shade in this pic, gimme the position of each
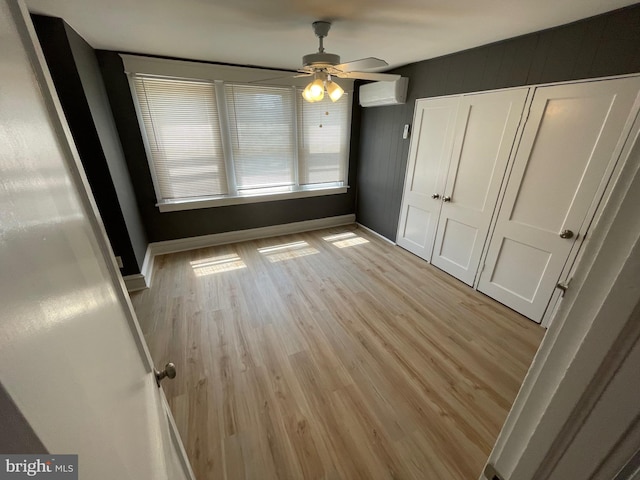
(316, 89)
(334, 90)
(306, 94)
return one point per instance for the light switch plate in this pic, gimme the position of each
(119, 262)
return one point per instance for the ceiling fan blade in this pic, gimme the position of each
(303, 75)
(362, 64)
(376, 77)
(270, 79)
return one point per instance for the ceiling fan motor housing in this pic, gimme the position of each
(319, 59)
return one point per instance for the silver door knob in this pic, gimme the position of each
(446, 199)
(168, 372)
(436, 196)
(566, 234)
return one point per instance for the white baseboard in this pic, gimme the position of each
(203, 241)
(147, 266)
(135, 282)
(376, 234)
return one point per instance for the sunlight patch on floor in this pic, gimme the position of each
(287, 251)
(219, 264)
(343, 240)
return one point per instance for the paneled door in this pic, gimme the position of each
(485, 131)
(569, 146)
(429, 155)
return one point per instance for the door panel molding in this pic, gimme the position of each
(606, 109)
(429, 153)
(486, 129)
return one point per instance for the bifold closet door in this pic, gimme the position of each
(486, 127)
(429, 154)
(568, 147)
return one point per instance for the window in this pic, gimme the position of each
(183, 137)
(215, 143)
(262, 135)
(323, 141)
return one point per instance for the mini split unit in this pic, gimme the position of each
(377, 94)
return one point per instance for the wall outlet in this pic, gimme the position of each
(119, 262)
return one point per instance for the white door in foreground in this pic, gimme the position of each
(429, 155)
(71, 354)
(568, 147)
(485, 130)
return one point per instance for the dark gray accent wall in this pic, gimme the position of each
(79, 85)
(608, 44)
(93, 86)
(173, 225)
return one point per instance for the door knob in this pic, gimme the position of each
(169, 371)
(436, 196)
(566, 234)
(446, 199)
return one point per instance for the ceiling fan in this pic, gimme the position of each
(322, 66)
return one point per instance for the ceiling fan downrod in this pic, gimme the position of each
(321, 59)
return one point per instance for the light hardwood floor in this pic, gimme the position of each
(331, 354)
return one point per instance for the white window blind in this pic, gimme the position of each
(183, 136)
(323, 133)
(213, 142)
(261, 126)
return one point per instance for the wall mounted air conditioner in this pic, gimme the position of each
(384, 93)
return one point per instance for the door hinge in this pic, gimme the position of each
(564, 286)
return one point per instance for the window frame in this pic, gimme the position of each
(218, 76)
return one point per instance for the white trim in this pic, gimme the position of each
(135, 282)
(296, 140)
(225, 136)
(373, 232)
(147, 266)
(203, 241)
(531, 86)
(176, 439)
(178, 205)
(191, 243)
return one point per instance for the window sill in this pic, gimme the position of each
(210, 202)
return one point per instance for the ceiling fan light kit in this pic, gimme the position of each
(334, 90)
(323, 66)
(314, 92)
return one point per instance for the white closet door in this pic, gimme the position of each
(572, 136)
(429, 156)
(485, 130)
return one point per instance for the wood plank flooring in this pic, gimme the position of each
(331, 355)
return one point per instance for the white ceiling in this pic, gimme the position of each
(276, 33)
